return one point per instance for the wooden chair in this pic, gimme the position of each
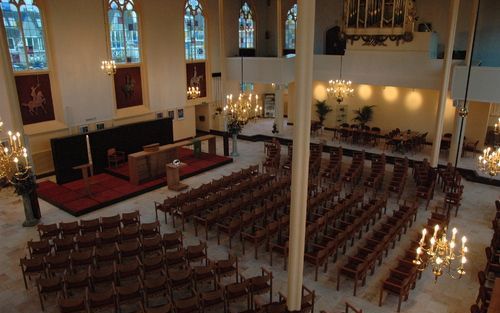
(203, 274)
(57, 264)
(39, 248)
(195, 253)
(69, 229)
(133, 217)
(128, 271)
(152, 264)
(87, 241)
(90, 226)
(227, 268)
(46, 286)
(102, 275)
(101, 299)
(236, 291)
(115, 157)
(230, 227)
(47, 231)
(152, 245)
(32, 267)
(179, 279)
(165, 308)
(74, 304)
(130, 232)
(173, 240)
(175, 258)
(257, 236)
(188, 305)
(213, 299)
(110, 222)
(470, 147)
(397, 283)
(129, 293)
(109, 237)
(261, 284)
(129, 249)
(75, 281)
(106, 255)
(150, 229)
(64, 244)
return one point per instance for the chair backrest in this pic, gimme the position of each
(111, 151)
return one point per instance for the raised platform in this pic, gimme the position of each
(113, 186)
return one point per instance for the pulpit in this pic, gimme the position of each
(173, 178)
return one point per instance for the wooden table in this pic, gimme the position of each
(85, 168)
(149, 165)
(495, 298)
(173, 179)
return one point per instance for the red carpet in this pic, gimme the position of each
(112, 187)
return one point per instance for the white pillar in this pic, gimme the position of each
(279, 107)
(454, 6)
(301, 140)
(457, 140)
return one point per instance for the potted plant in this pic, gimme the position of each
(322, 109)
(364, 115)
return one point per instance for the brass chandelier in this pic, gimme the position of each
(340, 88)
(441, 255)
(14, 164)
(109, 67)
(489, 162)
(238, 112)
(193, 92)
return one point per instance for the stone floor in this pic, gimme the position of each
(446, 295)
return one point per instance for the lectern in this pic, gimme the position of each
(173, 179)
(85, 168)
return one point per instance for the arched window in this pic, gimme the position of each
(194, 31)
(123, 31)
(25, 35)
(246, 27)
(291, 28)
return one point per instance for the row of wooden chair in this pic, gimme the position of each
(82, 227)
(332, 172)
(399, 175)
(245, 190)
(273, 155)
(355, 170)
(225, 182)
(376, 178)
(376, 244)
(141, 291)
(403, 277)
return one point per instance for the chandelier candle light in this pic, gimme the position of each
(441, 253)
(239, 112)
(340, 88)
(193, 92)
(489, 162)
(109, 67)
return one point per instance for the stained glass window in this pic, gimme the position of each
(25, 35)
(194, 31)
(246, 27)
(123, 31)
(291, 27)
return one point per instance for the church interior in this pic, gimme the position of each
(250, 156)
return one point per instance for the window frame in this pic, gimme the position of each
(29, 70)
(254, 22)
(292, 12)
(109, 36)
(192, 57)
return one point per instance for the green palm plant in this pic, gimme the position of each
(364, 114)
(322, 109)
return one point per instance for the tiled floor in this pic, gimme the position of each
(446, 295)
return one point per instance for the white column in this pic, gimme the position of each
(457, 140)
(454, 6)
(301, 140)
(279, 28)
(279, 106)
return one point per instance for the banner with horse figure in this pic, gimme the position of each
(197, 77)
(128, 87)
(35, 98)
